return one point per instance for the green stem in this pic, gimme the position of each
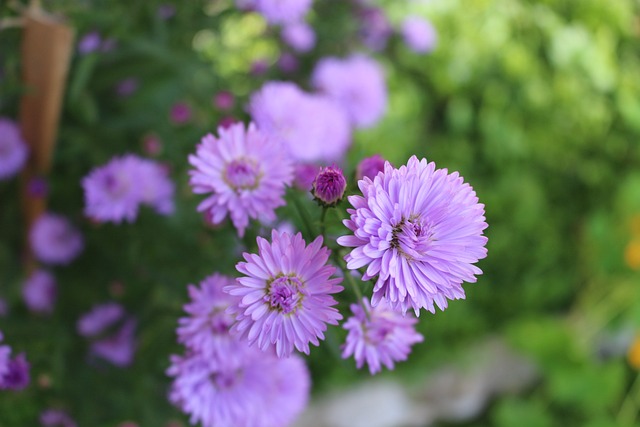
(352, 282)
(304, 215)
(322, 223)
(628, 410)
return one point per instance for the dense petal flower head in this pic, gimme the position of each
(370, 166)
(329, 186)
(382, 337)
(312, 127)
(282, 11)
(418, 34)
(17, 376)
(285, 299)
(99, 318)
(357, 83)
(13, 149)
(206, 328)
(118, 348)
(246, 171)
(56, 418)
(156, 189)
(300, 36)
(419, 230)
(254, 390)
(54, 240)
(39, 292)
(112, 192)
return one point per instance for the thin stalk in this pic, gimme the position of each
(322, 223)
(628, 410)
(304, 215)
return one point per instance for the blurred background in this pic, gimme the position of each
(535, 103)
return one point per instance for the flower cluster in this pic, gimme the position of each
(54, 240)
(14, 372)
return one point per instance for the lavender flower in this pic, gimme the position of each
(245, 170)
(13, 149)
(56, 418)
(206, 329)
(118, 348)
(311, 127)
(285, 299)
(54, 240)
(37, 187)
(375, 28)
(39, 292)
(100, 317)
(256, 389)
(418, 34)
(305, 174)
(89, 43)
(357, 84)
(224, 100)
(329, 186)
(288, 63)
(383, 337)
(282, 11)
(156, 189)
(370, 166)
(112, 192)
(300, 36)
(419, 230)
(5, 357)
(16, 376)
(180, 113)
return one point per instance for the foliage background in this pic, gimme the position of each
(536, 103)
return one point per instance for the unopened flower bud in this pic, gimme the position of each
(329, 186)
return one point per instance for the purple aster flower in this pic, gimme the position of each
(112, 192)
(285, 301)
(100, 318)
(39, 292)
(419, 230)
(166, 11)
(245, 170)
(180, 113)
(13, 149)
(419, 34)
(305, 174)
(300, 36)
(156, 189)
(227, 121)
(5, 357)
(54, 240)
(378, 336)
(127, 87)
(16, 376)
(282, 11)
(357, 83)
(329, 186)
(118, 348)
(256, 389)
(224, 100)
(37, 187)
(311, 127)
(370, 166)
(90, 42)
(288, 63)
(375, 28)
(56, 418)
(206, 329)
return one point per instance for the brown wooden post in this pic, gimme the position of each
(47, 45)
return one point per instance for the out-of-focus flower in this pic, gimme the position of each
(56, 418)
(89, 43)
(375, 28)
(206, 328)
(254, 389)
(224, 100)
(329, 186)
(101, 317)
(54, 240)
(16, 377)
(5, 357)
(118, 348)
(300, 36)
(166, 11)
(282, 11)
(13, 149)
(357, 84)
(127, 87)
(109, 45)
(259, 67)
(311, 127)
(380, 337)
(156, 189)
(284, 300)
(37, 187)
(420, 231)
(151, 144)
(245, 170)
(227, 121)
(288, 63)
(39, 292)
(370, 166)
(245, 4)
(418, 34)
(180, 113)
(305, 174)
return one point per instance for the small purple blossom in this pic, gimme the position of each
(39, 292)
(13, 149)
(375, 28)
(305, 174)
(356, 83)
(329, 186)
(282, 11)
(38, 187)
(127, 87)
(246, 172)
(370, 166)
(118, 348)
(379, 336)
(311, 127)
(259, 67)
(299, 36)
(156, 189)
(56, 418)
(253, 389)
(89, 43)
(54, 240)
(224, 100)
(418, 34)
(16, 376)
(284, 300)
(152, 145)
(180, 113)
(100, 318)
(419, 230)
(288, 63)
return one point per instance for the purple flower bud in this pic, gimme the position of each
(329, 186)
(223, 100)
(370, 166)
(90, 42)
(180, 113)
